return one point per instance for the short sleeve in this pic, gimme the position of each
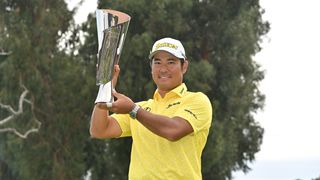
(124, 123)
(197, 110)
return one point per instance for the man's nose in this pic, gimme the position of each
(163, 68)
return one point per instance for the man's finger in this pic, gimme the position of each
(116, 72)
(115, 94)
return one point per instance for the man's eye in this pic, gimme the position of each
(171, 62)
(156, 62)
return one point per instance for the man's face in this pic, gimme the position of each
(167, 70)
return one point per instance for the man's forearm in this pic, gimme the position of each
(170, 128)
(99, 121)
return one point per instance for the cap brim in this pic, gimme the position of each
(174, 54)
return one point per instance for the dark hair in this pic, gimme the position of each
(182, 60)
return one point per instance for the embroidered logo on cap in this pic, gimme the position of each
(165, 44)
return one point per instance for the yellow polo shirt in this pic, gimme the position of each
(154, 157)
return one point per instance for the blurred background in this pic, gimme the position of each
(256, 60)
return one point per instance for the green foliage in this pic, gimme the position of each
(58, 86)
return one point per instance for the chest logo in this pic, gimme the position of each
(173, 104)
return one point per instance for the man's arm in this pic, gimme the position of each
(172, 129)
(102, 125)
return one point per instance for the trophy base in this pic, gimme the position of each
(105, 93)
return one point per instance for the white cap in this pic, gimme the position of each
(170, 45)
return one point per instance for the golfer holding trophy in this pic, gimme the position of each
(168, 131)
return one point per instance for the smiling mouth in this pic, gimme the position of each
(164, 77)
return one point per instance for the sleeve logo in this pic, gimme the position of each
(191, 113)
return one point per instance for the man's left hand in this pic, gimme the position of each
(122, 104)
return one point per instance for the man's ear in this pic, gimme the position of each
(185, 66)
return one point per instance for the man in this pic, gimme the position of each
(169, 131)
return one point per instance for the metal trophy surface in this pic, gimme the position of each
(112, 28)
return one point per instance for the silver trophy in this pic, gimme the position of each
(112, 28)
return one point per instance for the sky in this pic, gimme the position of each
(291, 61)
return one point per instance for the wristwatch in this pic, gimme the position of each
(133, 113)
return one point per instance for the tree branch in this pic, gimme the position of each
(24, 136)
(14, 114)
(2, 53)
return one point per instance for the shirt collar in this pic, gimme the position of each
(179, 91)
